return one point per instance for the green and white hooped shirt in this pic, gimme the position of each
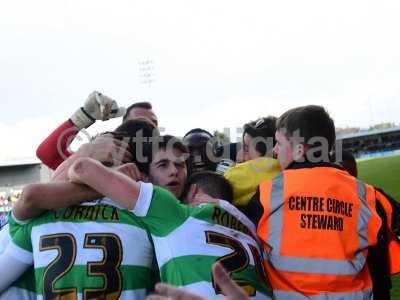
(188, 240)
(86, 251)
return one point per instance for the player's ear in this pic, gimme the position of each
(193, 190)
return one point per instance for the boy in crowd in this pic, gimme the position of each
(255, 162)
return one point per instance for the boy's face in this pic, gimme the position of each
(168, 170)
(283, 150)
(248, 150)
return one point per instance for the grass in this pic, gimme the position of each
(384, 172)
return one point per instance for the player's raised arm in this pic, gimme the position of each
(108, 182)
(54, 149)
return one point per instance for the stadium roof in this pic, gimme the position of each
(19, 162)
(367, 133)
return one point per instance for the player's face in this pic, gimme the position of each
(168, 169)
(144, 113)
(283, 150)
(247, 151)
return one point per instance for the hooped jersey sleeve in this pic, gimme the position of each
(159, 209)
(20, 232)
(17, 255)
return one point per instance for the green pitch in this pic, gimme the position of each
(384, 172)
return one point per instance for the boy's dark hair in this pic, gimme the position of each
(311, 121)
(133, 132)
(145, 105)
(156, 144)
(263, 128)
(137, 126)
(212, 183)
(137, 133)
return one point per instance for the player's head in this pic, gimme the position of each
(139, 126)
(347, 161)
(201, 147)
(165, 163)
(141, 109)
(133, 133)
(136, 132)
(305, 133)
(209, 183)
(258, 139)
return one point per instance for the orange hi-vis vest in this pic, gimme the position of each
(316, 229)
(393, 241)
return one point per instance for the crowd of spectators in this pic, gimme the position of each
(8, 199)
(371, 142)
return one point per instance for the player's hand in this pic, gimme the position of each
(96, 107)
(75, 170)
(167, 292)
(110, 151)
(130, 170)
(229, 288)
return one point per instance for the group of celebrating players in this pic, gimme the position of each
(132, 208)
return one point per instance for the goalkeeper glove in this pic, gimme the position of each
(96, 107)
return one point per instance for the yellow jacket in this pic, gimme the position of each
(246, 177)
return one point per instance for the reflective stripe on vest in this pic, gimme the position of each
(365, 294)
(314, 265)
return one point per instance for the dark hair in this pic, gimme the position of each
(263, 128)
(136, 133)
(133, 132)
(202, 147)
(311, 121)
(345, 156)
(347, 161)
(214, 184)
(198, 130)
(156, 144)
(145, 105)
(132, 127)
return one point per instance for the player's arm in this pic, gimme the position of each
(38, 197)
(61, 192)
(105, 148)
(17, 255)
(108, 182)
(54, 149)
(11, 269)
(61, 173)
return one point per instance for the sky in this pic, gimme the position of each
(214, 64)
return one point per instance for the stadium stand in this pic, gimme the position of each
(373, 141)
(14, 175)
